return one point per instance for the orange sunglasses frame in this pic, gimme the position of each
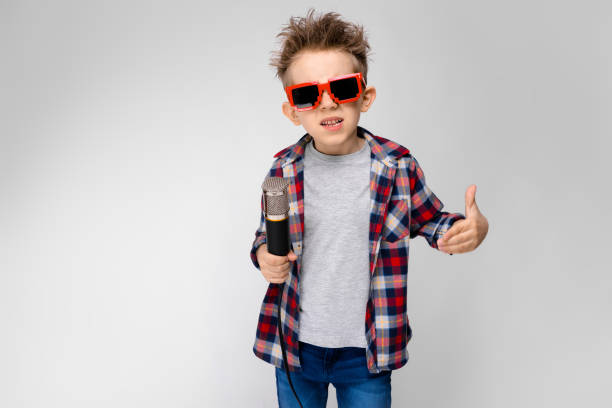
(325, 87)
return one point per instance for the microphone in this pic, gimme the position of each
(276, 212)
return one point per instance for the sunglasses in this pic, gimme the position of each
(342, 89)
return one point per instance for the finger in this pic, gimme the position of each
(459, 248)
(278, 268)
(280, 259)
(456, 239)
(457, 228)
(277, 260)
(279, 276)
(470, 200)
(283, 268)
(475, 207)
(446, 238)
(279, 280)
(273, 270)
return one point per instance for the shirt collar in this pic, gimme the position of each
(383, 149)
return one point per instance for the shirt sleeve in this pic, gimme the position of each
(426, 216)
(260, 237)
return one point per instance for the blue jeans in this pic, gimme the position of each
(345, 368)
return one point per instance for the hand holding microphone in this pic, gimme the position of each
(274, 268)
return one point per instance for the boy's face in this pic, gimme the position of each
(320, 66)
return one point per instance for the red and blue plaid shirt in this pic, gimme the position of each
(402, 207)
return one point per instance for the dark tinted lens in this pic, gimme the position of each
(305, 96)
(346, 88)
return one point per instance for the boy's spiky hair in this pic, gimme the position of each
(326, 32)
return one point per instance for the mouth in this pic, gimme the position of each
(332, 123)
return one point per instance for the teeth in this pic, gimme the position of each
(334, 122)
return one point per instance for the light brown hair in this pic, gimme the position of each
(326, 32)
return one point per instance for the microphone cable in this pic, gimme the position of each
(282, 341)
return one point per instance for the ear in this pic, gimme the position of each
(369, 94)
(290, 113)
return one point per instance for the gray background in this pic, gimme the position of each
(134, 140)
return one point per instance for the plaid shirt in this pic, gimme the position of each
(401, 207)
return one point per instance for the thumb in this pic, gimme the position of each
(470, 201)
(292, 256)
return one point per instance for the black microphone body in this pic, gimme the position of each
(277, 236)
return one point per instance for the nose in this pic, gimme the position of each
(326, 100)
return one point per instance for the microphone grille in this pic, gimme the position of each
(275, 195)
(275, 184)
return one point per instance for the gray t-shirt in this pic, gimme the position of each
(335, 278)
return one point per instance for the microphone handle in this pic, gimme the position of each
(277, 236)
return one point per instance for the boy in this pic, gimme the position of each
(355, 201)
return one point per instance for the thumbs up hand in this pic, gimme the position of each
(465, 235)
